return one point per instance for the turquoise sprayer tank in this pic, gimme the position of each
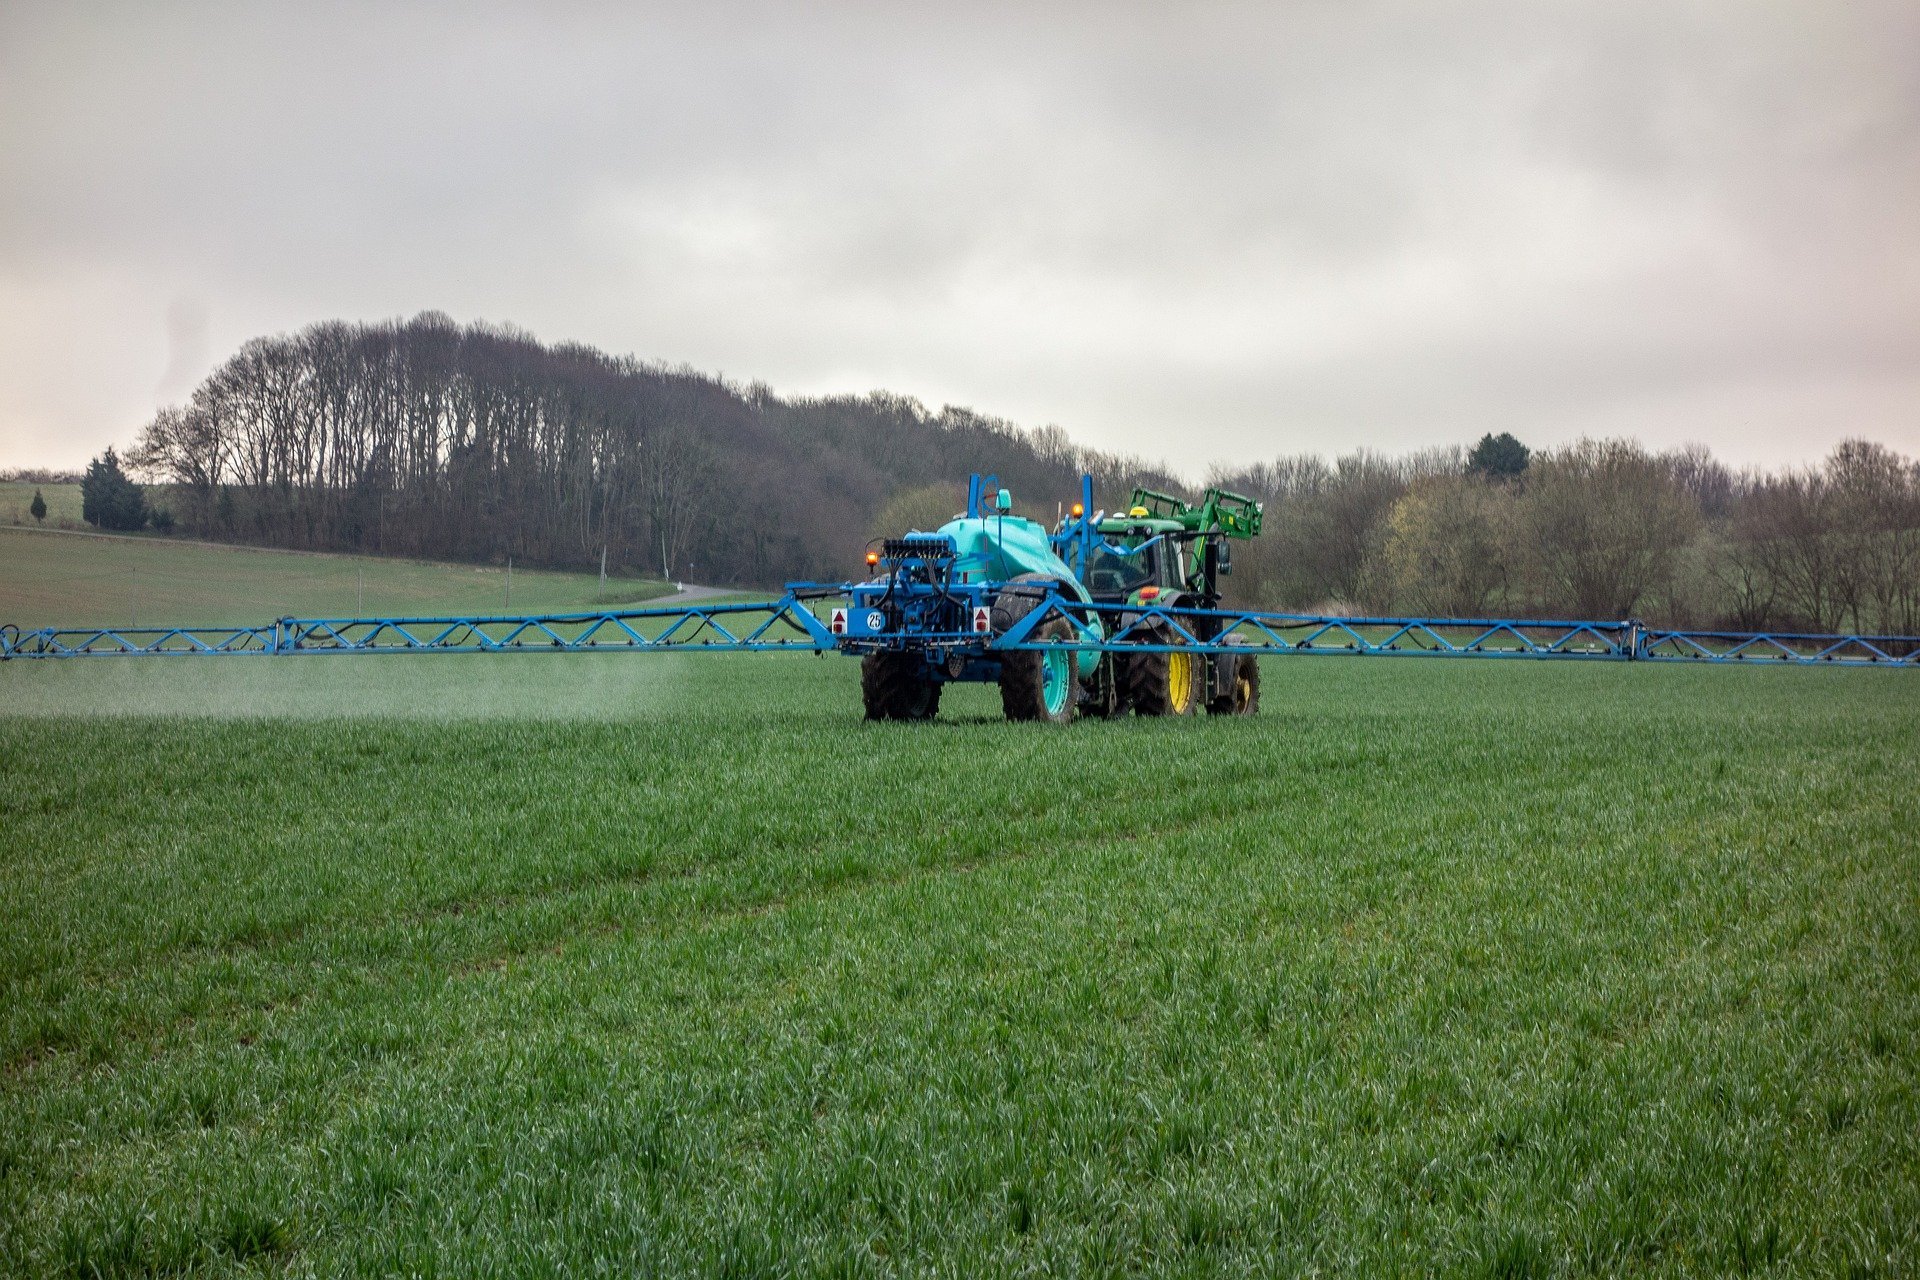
(999, 548)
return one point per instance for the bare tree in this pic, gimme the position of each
(1784, 530)
(1704, 478)
(675, 470)
(1600, 526)
(1447, 542)
(1739, 565)
(1876, 535)
(186, 447)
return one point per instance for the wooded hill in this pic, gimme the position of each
(477, 442)
(429, 439)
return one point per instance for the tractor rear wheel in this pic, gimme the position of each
(1242, 697)
(895, 686)
(1165, 684)
(1040, 684)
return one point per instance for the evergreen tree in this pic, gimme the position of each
(108, 499)
(1498, 457)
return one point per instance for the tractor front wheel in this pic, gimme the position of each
(1167, 683)
(895, 686)
(1039, 684)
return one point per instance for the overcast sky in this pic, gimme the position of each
(1196, 232)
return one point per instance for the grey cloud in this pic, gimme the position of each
(1267, 226)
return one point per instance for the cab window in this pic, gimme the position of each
(1120, 572)
(1173, 567)
(1112, 572)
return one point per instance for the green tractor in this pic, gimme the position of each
(1164, 552)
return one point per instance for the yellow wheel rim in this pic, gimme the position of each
(1180, 682)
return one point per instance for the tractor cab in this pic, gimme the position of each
(1130, 558)
(1162, 547)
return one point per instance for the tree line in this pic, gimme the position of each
(478, 442)
(1599, 529)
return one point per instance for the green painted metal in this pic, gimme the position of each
(1219, 511)
(1219, 514)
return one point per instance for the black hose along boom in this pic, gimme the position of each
(1106, 613)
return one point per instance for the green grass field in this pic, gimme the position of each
(626, 965)
(61, 579)
(63, 504)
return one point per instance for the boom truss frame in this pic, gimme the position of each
(1135, 628)
(781, 624)
(790, 624)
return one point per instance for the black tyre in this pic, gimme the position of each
(895, 686)
(1242, 697)
(1035, 685)
(1165, 684)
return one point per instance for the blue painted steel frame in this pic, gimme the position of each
(1154, 629)
(788, 624)
(1241, 631)
(784, 624)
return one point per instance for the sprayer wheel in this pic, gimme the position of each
(1040, 685)
(895, 686)
(1243, 696)
(1035, 685)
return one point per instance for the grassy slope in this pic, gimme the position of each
(69, 580)
(1490, 968)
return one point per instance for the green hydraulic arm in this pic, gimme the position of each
(1221, 513)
